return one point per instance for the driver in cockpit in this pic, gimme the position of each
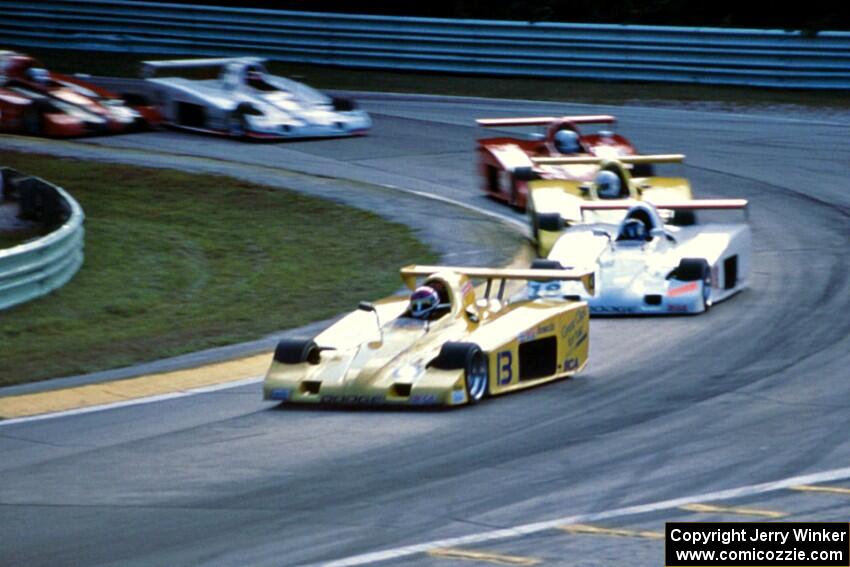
(429, 301)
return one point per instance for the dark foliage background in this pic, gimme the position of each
(812, 15)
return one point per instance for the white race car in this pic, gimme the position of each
(643, 266)
(245, 101)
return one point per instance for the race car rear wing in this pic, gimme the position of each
(593, 160)
(410, 273)
(544, 120)
(149, 68)
(693, 205)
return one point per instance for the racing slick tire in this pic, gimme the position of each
(342, 104)
(296, 351)
(643, 170)
(552, 222)
(237, 124)
(33, 119)
(473, 361)
(696, 269)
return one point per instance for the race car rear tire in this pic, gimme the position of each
(342, 104)
(551, 222)
(643, 170)
(296, 351)
(237, 124)
(33, 120)
(473, 361)
(696, 269)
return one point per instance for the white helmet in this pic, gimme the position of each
(607, 185)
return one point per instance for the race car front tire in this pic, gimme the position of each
(473, 361)
(296, 351)
(696, 269)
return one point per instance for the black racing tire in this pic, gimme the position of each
(342, 104)
(237, 124)
(643, 170)
(684, 218)
(33, 120)
(473, 361)
(551, 222)
(513, 198)
(696, 269)
(296, 351)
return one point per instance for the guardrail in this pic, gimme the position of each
(763, 58)
(38, 267)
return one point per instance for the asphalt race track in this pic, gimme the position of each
(755, 391)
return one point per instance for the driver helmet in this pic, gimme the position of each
(607, 185)
(254, 73)
(632, 229)
(566, 142)
(38, 75)
(423, 301)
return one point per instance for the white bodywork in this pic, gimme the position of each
(638, 277)
(277, 107)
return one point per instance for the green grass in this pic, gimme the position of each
(709, 97)
(178, 262)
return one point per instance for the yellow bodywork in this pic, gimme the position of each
(361, 363)
(566, 197)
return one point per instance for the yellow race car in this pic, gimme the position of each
(554, 204)
(441, 346)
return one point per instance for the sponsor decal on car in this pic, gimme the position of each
(424, 399)
(458, 396)
(532, 334)
(691, 287)
(677, 308)
(280, 394)
(612, 309)
(352, 399)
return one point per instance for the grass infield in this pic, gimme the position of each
(178, 262)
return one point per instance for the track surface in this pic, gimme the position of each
(754, 391)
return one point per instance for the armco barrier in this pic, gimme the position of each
(764, 58)
(38, 267)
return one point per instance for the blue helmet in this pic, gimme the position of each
(633, 229)
(607, 185)
(566, 142)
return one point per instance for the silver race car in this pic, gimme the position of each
(644, 266)
(246, 101)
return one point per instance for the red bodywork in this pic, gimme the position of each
(500, 157)
(61, 106)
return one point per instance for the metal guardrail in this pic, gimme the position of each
(763, 58)
(41, 266)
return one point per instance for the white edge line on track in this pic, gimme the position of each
(536, 527)
(514, 223)
(134, 402)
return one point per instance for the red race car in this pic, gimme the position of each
(505, 161)
(39, 102)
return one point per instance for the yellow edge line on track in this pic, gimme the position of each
(452, 553)
(710, 509)
(596, 530)
(828, 489)
(26, 405)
